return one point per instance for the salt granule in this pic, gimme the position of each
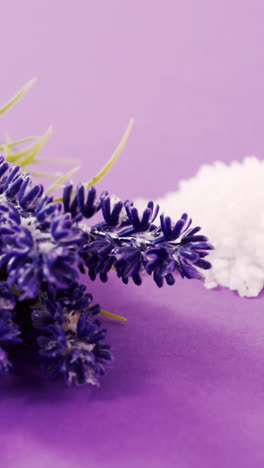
(227, 201)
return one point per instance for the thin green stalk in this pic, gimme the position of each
(43, 174)
(17, 97)
(18, 142)
(13, 158)
(113, 316)
(114, 156)
(61, 179)
(30, 157)
(111, 161)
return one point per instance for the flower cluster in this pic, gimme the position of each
(45, 246)
(68, 335)
(42, 303)
(131, 243)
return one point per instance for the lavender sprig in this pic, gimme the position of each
(68, 336)
(131, 243)
(42, 304)
(46, 245)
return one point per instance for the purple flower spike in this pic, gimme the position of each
(28, 194)
(111, 209)
(58, 267)
(45, 245)
(88, 205)
(148, 216)
(136, 245)
(172, 233)
(70, 202)
(69, 337)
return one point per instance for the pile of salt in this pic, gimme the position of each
(227, 200)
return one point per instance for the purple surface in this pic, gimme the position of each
(187, 387)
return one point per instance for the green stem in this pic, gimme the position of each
(116, 317)
(114, 156)
(18, 142)
(110, 162)
(36, 148)
(17, 97)
(60, 180)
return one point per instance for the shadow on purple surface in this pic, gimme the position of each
(172, 375)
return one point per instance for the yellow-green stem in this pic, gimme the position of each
(113, 316)
(17, 97)
(61, 179)
(114, 156)
(43, 174)
(18, 142)
(111, 161)
(30, 157)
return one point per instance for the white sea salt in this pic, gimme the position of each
(227, 201)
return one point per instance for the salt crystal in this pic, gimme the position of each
(227, 200)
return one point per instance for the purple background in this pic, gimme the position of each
(187, 387)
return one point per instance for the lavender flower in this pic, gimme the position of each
(131, 244)
(42, 305)
(38, 241)
(46, 245)
(68, 336)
